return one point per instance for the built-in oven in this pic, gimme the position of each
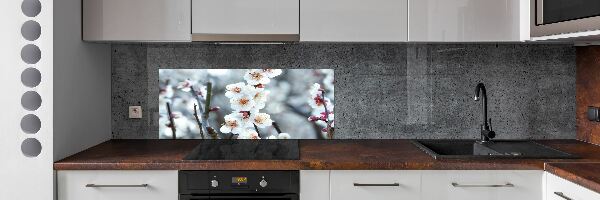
(234, 185)
(554, 17)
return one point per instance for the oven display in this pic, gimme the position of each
(239, 181)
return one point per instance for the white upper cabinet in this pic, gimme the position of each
(136, 20)
(353, 20)
(468, 20)
(245, 20)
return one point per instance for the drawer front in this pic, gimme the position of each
(379, 185)
(482, 185)
(117, 185)
(560, 189)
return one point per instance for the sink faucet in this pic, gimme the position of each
(486, 129)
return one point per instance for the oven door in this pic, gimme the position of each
(553, 17)
(244, 197)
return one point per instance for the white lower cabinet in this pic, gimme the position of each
(314, 184)
(375, 185)
(117, 185)
(560, 189)
(482, 185)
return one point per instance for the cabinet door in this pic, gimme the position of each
(353, 20)
(373, 184)
(482, 185)
(560, 189)
(468, 20)
(136, 20)
(117, 185)
(314, 185)
(220, 18)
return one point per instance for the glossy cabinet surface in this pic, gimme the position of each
(560, 189)
(482, 185)
(314, 184)
(468, 20)
(375, 184)
(245, 16)
(136, 20)
(117, 185)
(353, 20)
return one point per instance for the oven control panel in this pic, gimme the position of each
(224, 182)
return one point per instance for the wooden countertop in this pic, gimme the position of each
(314, 155)
(584, 174)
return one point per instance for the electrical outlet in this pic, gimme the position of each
(135, 112)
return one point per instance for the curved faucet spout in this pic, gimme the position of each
(480, 94)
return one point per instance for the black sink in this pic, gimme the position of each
(471, 149)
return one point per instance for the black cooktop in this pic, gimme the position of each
(245, 150)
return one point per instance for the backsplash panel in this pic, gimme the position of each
(383, 90)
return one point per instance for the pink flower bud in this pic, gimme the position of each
(313, 118)
(324, 130)
(215, 109)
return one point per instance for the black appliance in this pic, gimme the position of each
(245, 150)
(233, 185)
(554, 11)
(554, 17)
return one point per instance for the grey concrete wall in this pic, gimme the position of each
(382, 90)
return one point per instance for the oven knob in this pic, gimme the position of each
(263, 183)
(214, 183)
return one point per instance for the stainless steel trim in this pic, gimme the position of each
(115, 186)
(491, 185)
(539, 12)
(245, 37)
(560, 194)
(566, 27)
(376, 184)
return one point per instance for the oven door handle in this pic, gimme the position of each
(245, 196)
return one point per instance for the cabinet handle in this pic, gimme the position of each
(560, 194)
(115, 186)
(376, 184)
(499, 185)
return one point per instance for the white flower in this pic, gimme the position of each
(256, 77)
(284, 136)
(262, 120)
(272, 137)
(260, 98)
(318, 102)
(315, 90)
(272, 73)
(237, 89)
(242, 103)
(185, 85)
(248, 134)
(247, 119)
(233, 124)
